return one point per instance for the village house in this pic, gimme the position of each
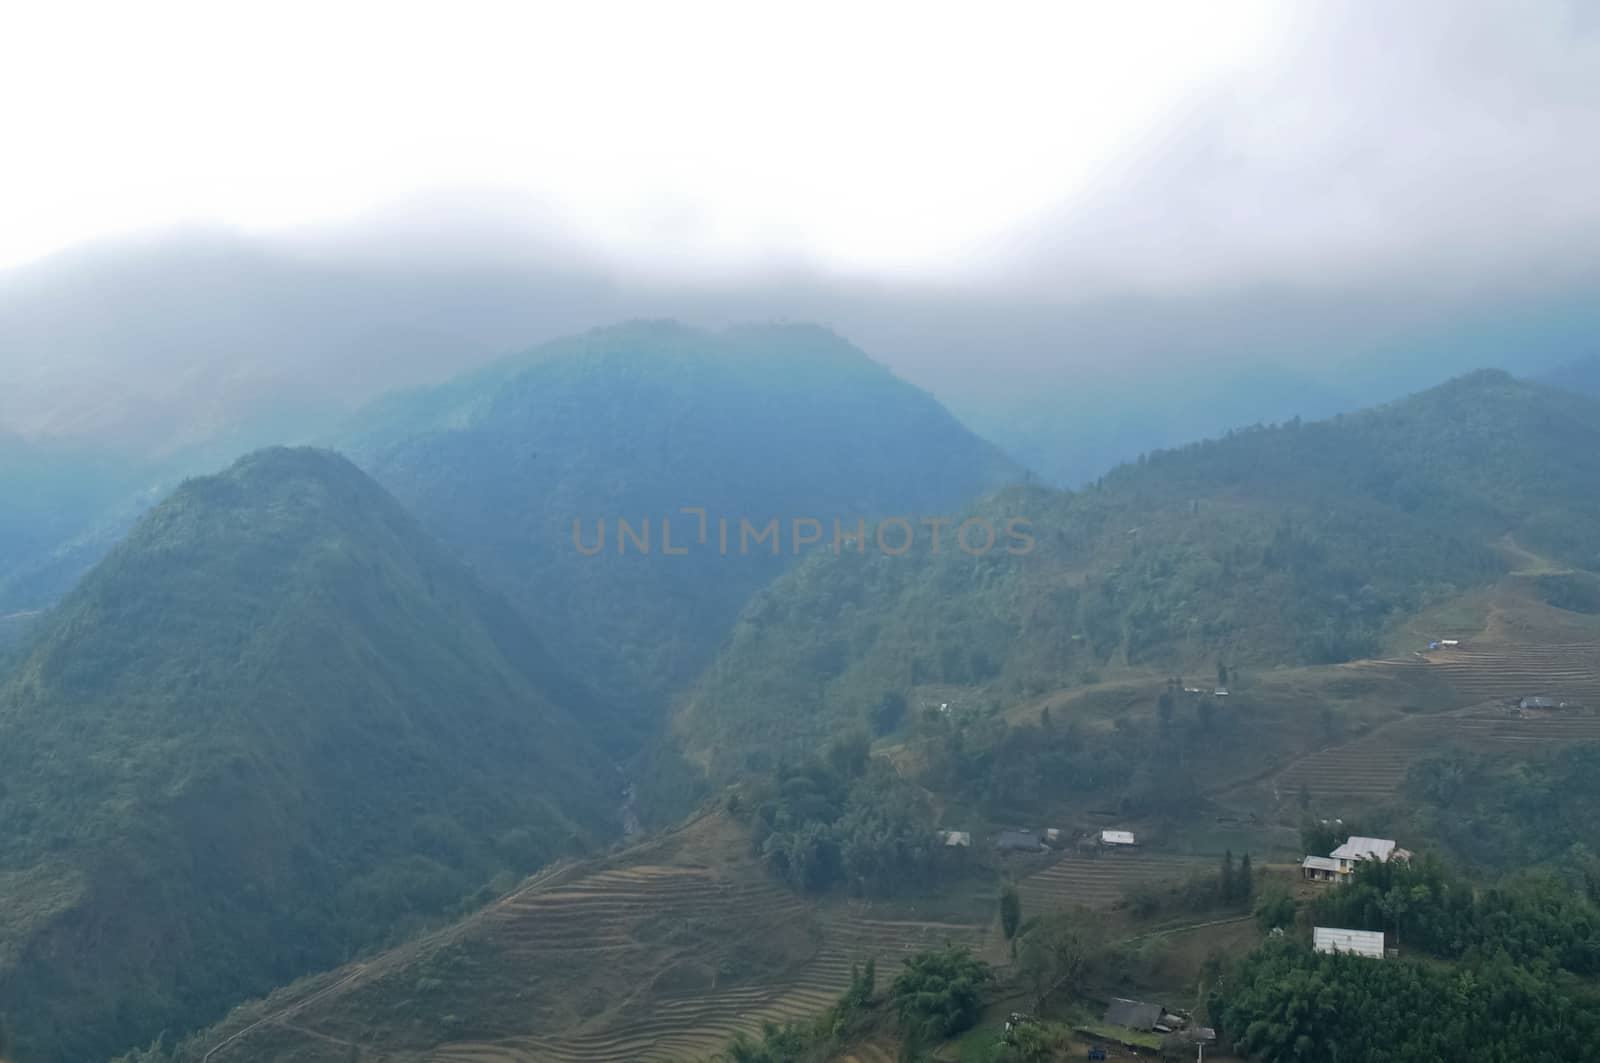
(1358, 848)
(1117, 838)
(1343, 860)
(1018, 841)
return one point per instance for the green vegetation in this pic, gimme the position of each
(939, 994)
(1520, 981)
(1499, 814)
(1302, 543)
(844, 819)
(819, 1040)
(277, 726)
(1058, 951)
(639, 422)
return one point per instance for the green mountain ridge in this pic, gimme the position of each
(1300, 543)
(276, 725)
(638, 422)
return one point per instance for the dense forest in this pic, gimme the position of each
(531, 465)
(277, 725)
(1520, 981)
(1302, 543)
(1497, 814)
(843, 820)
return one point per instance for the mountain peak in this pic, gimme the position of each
(277, 688)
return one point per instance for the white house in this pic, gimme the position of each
(1116, 837)
(957, 839)
(1319, 868)
(1359, 848)
(1355, 942)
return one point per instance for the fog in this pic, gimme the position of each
(1047, 220)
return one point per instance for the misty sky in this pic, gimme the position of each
(1051, 215)
(1066, 147)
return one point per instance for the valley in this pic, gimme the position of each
(670, 947)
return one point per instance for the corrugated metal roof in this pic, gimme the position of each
(1357, 942)
(1320, 863)
(1362, 848)
(1117, 837)
(1132, 1014)
(1019, 841)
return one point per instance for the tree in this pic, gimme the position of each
(863, 984)
(1057, 951)
(1032, 1043)
(1225, 880)
(1245, 884)
(1010, 911)
(1274, 908)
(888, 713)
(1222, 675)
(939, 994)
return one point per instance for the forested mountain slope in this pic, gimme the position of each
(275, 725)
(1298, 543)
(638, 422)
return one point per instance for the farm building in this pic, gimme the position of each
(1117, 837)
(956, 838)
(1358, 848)
(1367, 943)
(1133, 1014)
(1538, 703)
(1319, 868)
(1018, 841)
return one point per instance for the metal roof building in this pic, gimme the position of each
(1367, 943)
(1019, 841)
(1116, 837)
(1132, 1014)
(1361, 848)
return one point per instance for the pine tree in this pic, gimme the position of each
(1246, 885)
(1225, 886)
(1010, 911)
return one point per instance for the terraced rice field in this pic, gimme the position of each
(1375, 766)
(1503, 671)
(1099, 882)
(599, 914)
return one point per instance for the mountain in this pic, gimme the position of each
(1581, 376)
(276, 725)
(1072, 435)
(639, 423)
(1300, 543)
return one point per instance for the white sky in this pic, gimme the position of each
(872, 137)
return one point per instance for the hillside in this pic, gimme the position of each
(274, 726)
(1581, 376)
(637, 423)
(1302, 543)
(661, 952)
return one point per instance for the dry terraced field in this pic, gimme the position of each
(1101, 881)
(661, 953)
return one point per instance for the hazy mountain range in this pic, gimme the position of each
(294, 713)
